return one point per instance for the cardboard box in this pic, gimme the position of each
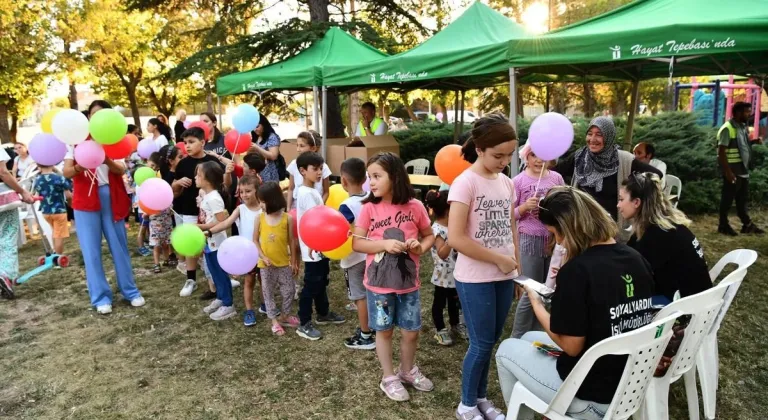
(288, 150)
(336, 154)
(372, 146)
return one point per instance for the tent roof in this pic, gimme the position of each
(637, 41)
(303, 70)
(468, 53)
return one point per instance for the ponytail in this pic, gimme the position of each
(167, 154)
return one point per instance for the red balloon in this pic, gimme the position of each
(237, 143)
(295, 227)
(204, 126)
(323, 228)
(121, 149)
(182, 148)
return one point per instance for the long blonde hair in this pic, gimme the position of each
(656, 209)
(577, 217)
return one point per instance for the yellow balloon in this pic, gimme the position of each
(340, 252)
(336, 195)
(48, 119)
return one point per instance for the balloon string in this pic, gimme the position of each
(536, 190)
(88, 173)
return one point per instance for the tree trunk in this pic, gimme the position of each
(318, 12)
(130, 90)
(335, 123)
(5, 132)
(354, 112)
(519, 100)
(73, 95)
(14, 125)
(589, 102)
(408, 107)
(209, 98)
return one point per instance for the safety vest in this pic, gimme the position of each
(374, 125)
(732, 152)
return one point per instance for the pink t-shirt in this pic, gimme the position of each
(385, 272)
(491, 209)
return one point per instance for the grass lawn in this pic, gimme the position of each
(59, 359)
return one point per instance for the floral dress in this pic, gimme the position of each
(160, 226)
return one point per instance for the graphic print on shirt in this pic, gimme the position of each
(392, 271)
(633, 314)
(495, 230)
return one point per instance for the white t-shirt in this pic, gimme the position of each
(102, 172)
(350, 208)
(212, 205)
(293, 170)
(246, 222)
(22, 164)
(161, 141)
(307, 199)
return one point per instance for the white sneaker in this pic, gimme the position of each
(223, 312)
(215, 304)
(234, 283)
(181, 267)
(104, 309)
(138, 302)
(189, 287)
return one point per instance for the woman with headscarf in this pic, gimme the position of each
(600, 167)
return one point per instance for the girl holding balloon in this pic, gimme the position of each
(210, 179)
(100, 204)
(160, 226)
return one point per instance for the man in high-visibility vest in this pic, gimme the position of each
(734, 153)
(370, 124)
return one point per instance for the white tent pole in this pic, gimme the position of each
(221, 121)
(513, 117)
(315, 107)
(325, 122)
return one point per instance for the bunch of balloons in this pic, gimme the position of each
(61, 127)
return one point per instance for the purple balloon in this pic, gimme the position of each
(238, 255)
(89, 154)
(46, 149)
(367, 184)
(550, 135)
(146, 148)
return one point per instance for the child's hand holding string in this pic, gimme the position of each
(393, 246)
(414, 246)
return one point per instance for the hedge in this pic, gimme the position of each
(688, 150)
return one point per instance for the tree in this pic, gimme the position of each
(72, 60)
(24, 54)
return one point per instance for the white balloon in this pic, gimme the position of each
(70, 126)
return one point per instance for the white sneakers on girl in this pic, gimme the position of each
(223, 313)
(104, 309)
(189, 287)
(215, 304)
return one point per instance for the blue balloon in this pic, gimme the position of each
(246, 118)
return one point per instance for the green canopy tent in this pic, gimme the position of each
(304, 70)
(654, 38)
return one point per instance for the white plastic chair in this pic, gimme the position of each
(703, 307)
(644, 346)
(420, 166)
(673, 182)
(707, 360)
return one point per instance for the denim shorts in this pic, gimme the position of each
(385, 311)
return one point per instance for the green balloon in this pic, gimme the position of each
(142, 174)
(188, 240)
(107, 126)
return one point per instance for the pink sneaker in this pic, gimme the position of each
(416, 379)
(394, 389)
(292, 322)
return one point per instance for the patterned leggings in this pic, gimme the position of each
(273, 278)
(9, 247)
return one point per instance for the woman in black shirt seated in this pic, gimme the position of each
(603, 290)
(661, 235)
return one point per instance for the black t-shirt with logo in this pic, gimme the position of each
(603, 292)
(186, 203)
(676, 258)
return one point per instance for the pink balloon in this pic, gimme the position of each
(237, 255)
(146, 148)
(89, 154)
(367, 184)
(156, 194)
(186, 124)
(46, 149)
(550, 135)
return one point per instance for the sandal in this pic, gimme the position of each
(156, 269)
(291, 322)
(277, 329)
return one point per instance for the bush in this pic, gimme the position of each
(688, 150)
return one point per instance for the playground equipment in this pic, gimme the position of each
(714, 100)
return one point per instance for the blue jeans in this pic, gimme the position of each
(485, 307)
(390, 309)
(91, 225)
(220, 278)
(517, 360)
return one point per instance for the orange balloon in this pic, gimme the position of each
(134, 141)
(449, 164)
(146, 210)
